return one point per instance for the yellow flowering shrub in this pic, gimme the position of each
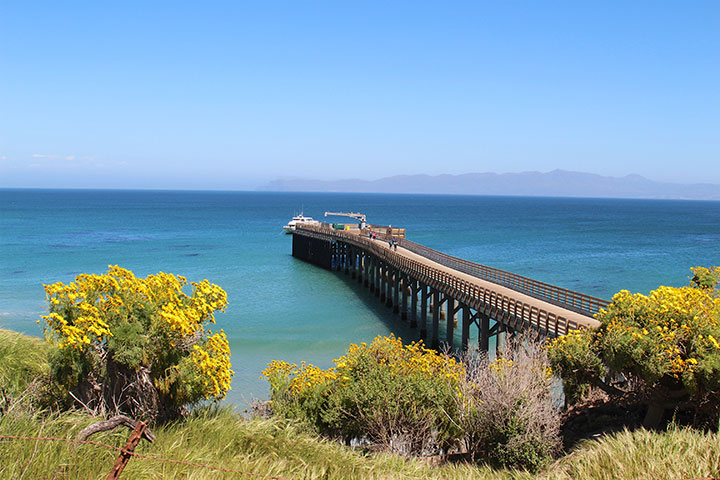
(667, 339)
(134, 337)
(707, 278)
(573, 357)
(398, 396)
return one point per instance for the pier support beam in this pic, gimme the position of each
(500, 337)
(413, 303)
(353, 262)
(423, 310)
(484, 332)
(366, 270)
(435, 342)
(396, 292)
(465, 328)
(376, 275)
(383, 283)
(404, 300)
(450, 322)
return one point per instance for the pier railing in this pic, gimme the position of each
(511, 311)
(551, 293)
(578, 302)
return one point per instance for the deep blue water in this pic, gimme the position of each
(282, 308)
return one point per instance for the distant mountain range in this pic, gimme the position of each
(558, 183)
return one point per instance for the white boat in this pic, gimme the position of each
(299, 219)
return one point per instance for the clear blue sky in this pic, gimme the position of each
(232, 94)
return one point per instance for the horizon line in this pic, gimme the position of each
(283, 192)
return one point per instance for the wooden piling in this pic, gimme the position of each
(450, 322)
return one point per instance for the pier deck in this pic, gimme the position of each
(581, 319)
(427, 286)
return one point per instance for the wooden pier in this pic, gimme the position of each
(427, 287)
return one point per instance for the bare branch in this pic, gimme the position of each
(110, 424)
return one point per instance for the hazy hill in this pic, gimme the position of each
(556, 183)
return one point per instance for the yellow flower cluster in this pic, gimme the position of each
(76, 314)
(706, 278)
(281, 368)
(309, 377)
(301, 380)
(671, 331)
(213, 360)
(570, 345)
(501, 366)
(87, 310)
(666, 324)
(80, 311)
(184, 313)
(402, 360)
(399, 359)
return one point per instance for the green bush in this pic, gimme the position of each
(663, 347)
(389, 396)
(415, 401)
(139, 346)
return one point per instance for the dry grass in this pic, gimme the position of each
(679, 453)
(22, 360)
(269, 447)
(217, 437)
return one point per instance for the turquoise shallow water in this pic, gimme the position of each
(282, 308)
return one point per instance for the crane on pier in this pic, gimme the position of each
(357, 216)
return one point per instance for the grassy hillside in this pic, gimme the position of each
(221, 437)
(269, 447)
(22, 358)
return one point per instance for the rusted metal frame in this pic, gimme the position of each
(127, 451)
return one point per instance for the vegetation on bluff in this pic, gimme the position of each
(412, 400)
(383, 396)
(387, 394)
(140, 346)
(281, 448)
(663, 347)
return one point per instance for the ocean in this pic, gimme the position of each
(283, 308)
